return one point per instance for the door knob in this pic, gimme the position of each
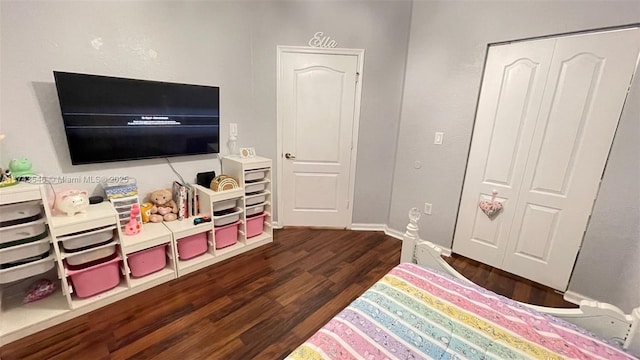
(289, 156)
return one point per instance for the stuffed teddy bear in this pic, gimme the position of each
(164, 208)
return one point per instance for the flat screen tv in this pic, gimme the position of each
(114, 119)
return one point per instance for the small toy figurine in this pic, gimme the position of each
(21, 168)
(6, 179)
(201, 220)
(133, 226)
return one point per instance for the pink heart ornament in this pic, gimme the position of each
(490, 208)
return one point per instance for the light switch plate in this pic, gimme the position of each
(438, 138)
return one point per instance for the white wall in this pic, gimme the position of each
(446, 53)
(229, 44)
(608, 266)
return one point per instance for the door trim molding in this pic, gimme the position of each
(359, 53)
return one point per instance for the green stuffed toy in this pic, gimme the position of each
(20, 168)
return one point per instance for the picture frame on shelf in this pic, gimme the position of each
(247, 152)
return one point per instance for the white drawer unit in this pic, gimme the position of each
(256, 186)
(25, 251)
(87, 239)
(254, 175)
(89, 255)
(223, 205)
(123, 208)
(228, 218)
(255, 209)
(257, 198)
(22, 231)
(12, 214)
(23, 271)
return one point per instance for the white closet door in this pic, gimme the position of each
(510, 98)
(547, 114)
(587, 86)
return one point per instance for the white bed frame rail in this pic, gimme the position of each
(602, 319)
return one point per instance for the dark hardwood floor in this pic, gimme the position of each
(259, 305)
(509, 285)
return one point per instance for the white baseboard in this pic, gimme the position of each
(575, 298)
(368, 227)
(393, 233)
(275, 225)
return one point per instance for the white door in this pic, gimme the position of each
(318, 103)
(548, 171)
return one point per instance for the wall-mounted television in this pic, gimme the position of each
(113, 119)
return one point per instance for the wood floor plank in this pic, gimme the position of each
(261, 304)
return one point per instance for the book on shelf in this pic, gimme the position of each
(180, 196)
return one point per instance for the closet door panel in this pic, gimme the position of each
(588, 81)
(511, 94)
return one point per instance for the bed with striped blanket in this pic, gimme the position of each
(417, 313)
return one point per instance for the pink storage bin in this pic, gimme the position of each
(192, 246)
(254, 225)
(147, 261)
(226, 235)
(96, 279)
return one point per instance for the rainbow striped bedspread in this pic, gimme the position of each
(416, 313)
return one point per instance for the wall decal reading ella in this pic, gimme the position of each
(321, 41)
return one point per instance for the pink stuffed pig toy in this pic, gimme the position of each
(71, 202)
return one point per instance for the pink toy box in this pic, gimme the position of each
(254, 225)
(97, 278)
(147, 261)
(192, 246)
(227, 235)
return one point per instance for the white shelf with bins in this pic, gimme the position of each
(15, 315)
(152, 235)
(97, 219)
(19, 320)
(254, 175)
(186, 228)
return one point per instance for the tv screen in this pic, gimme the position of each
(113, 119)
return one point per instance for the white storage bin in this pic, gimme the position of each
(80, 241)
(255, 175)
(224, 205)
(255, 209)
(255, 186)
(227, 218)
(20, 252)
(91, 255)
(27, 270)
(256, 198)
(20, 210)
(22, 231)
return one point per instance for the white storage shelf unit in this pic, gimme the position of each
(24, 239)
(254, 175)
(99, 227)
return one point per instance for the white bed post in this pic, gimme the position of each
(410, 237)
(632, 342)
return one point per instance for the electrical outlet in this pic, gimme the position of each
(427, 208)
(233, 130)
(438, 138)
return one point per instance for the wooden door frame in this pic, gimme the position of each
(359, 53)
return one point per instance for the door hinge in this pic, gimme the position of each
(357, 77)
